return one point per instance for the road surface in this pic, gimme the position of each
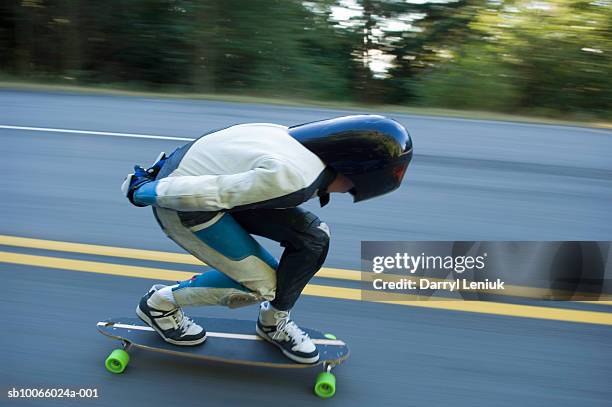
(469, 180)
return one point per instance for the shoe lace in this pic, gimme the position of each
(182, 322)
(287, 329)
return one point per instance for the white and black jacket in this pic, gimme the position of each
(245, 166)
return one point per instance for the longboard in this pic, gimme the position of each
(228, 341)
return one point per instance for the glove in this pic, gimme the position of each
(134, 181)
(153, 170)
(140, 177)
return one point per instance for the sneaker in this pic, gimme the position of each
(168, 319)
(286, 335)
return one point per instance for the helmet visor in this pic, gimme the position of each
(377, 182)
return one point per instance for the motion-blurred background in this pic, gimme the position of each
(67, 234)
(540, 57)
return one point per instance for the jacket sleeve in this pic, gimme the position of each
(271, 178)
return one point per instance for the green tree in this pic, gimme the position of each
(551, 56)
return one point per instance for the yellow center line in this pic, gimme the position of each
(325, 272)
(138, 254)
(494, 308)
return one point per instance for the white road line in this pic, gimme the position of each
(223, 334)
(94, 133)
(155, 137)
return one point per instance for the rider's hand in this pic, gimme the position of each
(140, 177)
(134, 181)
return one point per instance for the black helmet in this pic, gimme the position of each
(372, 151)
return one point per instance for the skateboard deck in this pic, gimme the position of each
(229, 341)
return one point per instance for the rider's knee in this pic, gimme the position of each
(264, 287)
(316, 239)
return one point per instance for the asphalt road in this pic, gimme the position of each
(472, 180)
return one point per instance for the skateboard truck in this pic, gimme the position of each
(126, 345)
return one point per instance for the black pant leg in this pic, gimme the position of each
(306, 242)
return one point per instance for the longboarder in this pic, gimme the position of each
(212, 194)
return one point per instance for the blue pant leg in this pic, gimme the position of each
(245, 271)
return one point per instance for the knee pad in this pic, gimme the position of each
(241, 299)
(229, 297)
(215, 288)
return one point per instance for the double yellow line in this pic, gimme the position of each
(484, 307)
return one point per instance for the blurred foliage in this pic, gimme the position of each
(477, 79)
(553, 55)
(511, 56)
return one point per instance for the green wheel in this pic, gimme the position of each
(325, 386)
(117, 361)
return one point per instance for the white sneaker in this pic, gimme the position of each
(168, 319)
(277, 328)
